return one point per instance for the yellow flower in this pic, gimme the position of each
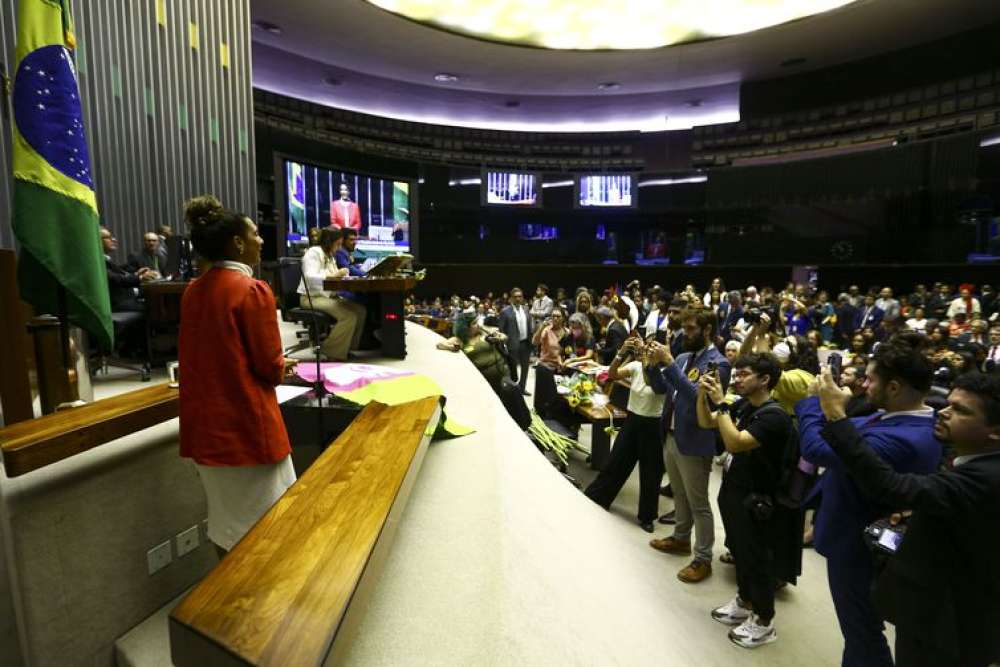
(573, 401)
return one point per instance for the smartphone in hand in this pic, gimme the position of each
(836, 365)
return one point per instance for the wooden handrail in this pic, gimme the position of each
(36, 443)
(293, 589)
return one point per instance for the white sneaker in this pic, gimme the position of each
(752, 633)
(731, 613)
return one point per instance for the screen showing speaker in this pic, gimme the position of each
(606, 191)
(378, 208)
(505, 188)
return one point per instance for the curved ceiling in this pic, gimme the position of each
(352, 55)
(604, 24)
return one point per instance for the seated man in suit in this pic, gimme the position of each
(941, 588)
(901, 432)
(152, 256)
(123, 281)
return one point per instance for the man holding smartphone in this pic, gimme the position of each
(900, 433)
(942, 587)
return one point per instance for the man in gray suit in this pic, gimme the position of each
(515, 323)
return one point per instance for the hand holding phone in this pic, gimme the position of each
(836, 365)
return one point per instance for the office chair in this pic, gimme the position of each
(317, 323)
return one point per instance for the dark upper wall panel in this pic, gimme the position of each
(168, 108)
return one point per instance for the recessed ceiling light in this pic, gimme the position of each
(333, 81)
(267, 26)
(694, 104)
(444, 77)
(793, 62)
(609, 85)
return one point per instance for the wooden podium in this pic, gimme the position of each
(390, 318)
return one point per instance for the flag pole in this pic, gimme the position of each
(63, 325)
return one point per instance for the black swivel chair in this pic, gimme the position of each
(294, 306)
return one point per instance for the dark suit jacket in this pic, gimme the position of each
(158, 262)
(121, 287)
(508, 327)
(677, 381)
(874, 318)
(945, 578)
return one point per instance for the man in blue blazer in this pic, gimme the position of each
(689, 448)
(901, 433)
(869, 315)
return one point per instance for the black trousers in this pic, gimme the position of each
(523, 359)
(638, 442)
(752, 545)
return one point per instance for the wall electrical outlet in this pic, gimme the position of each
(188, 541)
(159, 557)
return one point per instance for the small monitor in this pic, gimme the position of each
(605, 191)
(506, 188)
(537, 232)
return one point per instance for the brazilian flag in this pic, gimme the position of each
(55, 210)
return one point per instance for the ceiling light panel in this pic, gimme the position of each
(604, 24)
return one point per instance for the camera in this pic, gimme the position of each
(711, 367)
(752, 315)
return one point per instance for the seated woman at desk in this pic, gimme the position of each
(479, 345)
(318, 265)
(578, 344)
(231, 357)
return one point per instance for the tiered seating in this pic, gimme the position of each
(447, 144)
(969, 103)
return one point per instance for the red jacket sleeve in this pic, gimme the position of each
(259, 324)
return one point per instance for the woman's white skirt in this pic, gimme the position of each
(240, 495)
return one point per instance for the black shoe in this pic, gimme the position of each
(668, 519)
(647, 526)
(667, 491)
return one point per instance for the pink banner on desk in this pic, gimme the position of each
(345, 377)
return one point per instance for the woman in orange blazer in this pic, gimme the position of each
(230, 358)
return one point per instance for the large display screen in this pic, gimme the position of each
(527, 232)
(606, 190)
(379, 208)
(504, 188)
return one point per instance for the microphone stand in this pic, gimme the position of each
(319, 387)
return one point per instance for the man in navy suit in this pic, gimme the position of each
(689, 448)
(869, 315)
(941, 588)
(901, 433)
(515, 323)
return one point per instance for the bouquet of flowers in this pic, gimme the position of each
(581, 389)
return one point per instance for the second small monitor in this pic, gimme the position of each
(605, 190)
(504, 188)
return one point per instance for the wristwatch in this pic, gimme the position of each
(722, 408)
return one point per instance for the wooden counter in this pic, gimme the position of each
(35, 443)
(292, 590)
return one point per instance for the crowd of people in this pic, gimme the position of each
(862, 411)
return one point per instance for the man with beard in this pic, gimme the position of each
(689, 448)
(941, 588)
(675, 334)
(901, 433)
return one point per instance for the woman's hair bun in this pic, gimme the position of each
(203, 210)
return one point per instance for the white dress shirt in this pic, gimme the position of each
(522, 321)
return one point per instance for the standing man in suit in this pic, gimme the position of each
(901, 433)
(515, 323)
(345, 214)
(941, 588)
(889, 306)
(992, 363)
(689, 448)
(847, 318)
(870, 315)
(675, 332)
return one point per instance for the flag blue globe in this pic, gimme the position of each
(48, 114)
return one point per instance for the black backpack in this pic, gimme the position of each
(792, 483)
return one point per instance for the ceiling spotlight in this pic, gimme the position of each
(694, 104)
(267, 26)
(793, 62)
(443, 77)
(333, 81)
(609, 85)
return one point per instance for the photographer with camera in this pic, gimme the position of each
(901, 433)
(755, 431)
(639, 439)
(941, 588)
